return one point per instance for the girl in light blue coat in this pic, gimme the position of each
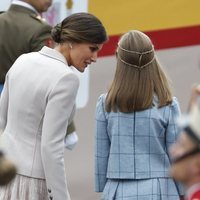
(135, 125)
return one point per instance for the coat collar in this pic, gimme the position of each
(52, 53)
(24, 4)
(23, 9)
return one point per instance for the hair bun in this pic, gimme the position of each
(56, 32)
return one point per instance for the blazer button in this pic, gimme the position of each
(49, 190)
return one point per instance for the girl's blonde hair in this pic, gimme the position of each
(139, 77)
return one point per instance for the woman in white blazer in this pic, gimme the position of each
(37, 103)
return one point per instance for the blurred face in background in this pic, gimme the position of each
(40, 5)
(186, 167)
(183, 145)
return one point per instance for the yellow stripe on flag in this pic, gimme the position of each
(120, 16)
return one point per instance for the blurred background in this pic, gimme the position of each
(173, 26)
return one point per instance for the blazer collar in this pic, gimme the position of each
(52, 53)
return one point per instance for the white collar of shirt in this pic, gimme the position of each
(24, 4)
(193, 189)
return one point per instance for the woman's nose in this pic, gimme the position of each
(94, 57)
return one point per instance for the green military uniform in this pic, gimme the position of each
(21, 31)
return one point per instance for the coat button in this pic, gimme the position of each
(49, 190)
(51, 198)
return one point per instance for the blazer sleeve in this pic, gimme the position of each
(173, 132)
(58, 110)
(102, 146)
(4, 105)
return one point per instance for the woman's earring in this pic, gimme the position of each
(70, 45)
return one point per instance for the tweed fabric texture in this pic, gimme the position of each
(143, 189)
(134, 145)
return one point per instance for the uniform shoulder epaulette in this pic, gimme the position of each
(39, 18)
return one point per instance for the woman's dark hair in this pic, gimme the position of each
(80, 27)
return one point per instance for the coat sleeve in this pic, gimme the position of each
(173, 132)
(102, 146)
(58, 110)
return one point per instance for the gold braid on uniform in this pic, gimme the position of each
(140, 67)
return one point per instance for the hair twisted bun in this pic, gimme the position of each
(56, 33)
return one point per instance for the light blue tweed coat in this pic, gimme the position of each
(133, 145)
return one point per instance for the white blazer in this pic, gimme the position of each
(36, 103)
